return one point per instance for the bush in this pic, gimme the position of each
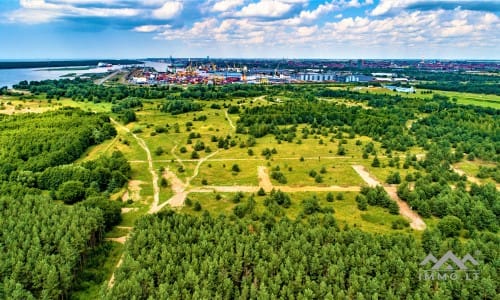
(235, 168)
(195, 155)
(163, 182)
(261, 192)
(329, 197)
(197, 206)
(362, 203)
(340, 196)
(237, 198)
(393, 178)
(278, 176)
(400, 224)
(188, 202)
(71, 192)
(318, 179)
(311, 205)
(159, 151)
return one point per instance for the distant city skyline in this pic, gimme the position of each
(338, 29)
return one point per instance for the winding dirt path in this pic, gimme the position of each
(229, 120)
(416, 221)
(154, 176)
(198, 165)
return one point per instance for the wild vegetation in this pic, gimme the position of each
(45, 243)
(266, 179)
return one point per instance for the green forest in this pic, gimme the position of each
(215, 257)
(45, 242)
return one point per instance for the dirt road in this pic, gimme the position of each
(416, 221)
(372, 182)
(229, 120)
(470, 178)
(154, 176)
(264, 180)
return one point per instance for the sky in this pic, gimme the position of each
(333, 29)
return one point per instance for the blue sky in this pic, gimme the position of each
(51, 29)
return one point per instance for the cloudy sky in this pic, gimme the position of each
(50, 29)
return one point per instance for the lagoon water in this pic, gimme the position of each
(9, 77)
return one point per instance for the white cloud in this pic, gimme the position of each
(40, 11)
(386, 6)
(226, 5)
(306, 30)
(169, 10)
(265, 8)
(150, 28)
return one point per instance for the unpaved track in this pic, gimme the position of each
(198, 165)
(264, 180)
(120, 240)
(101, 81)
(372, 182)
(177, 158)
(470, 178)
(156, 188)
(416, 221)
(332, 188)
(229, 120)
(247, 159)
(225, 189)
(179, 187)
(111, 281)
(154, 176)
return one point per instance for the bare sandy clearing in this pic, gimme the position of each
(264, 180)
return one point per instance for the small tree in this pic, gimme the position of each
(235, 168)
(329, 197)
(197, 206)
(261, 192)
(362, 203)
(159, 151)
(450, 226)
(163, 182)
(195, 155)
(376, 162)
(71, 192)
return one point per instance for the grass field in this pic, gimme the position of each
(375, 219)
(484, 100)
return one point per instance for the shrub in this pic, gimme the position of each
(329, 197)
(71, 192)
(197, 206)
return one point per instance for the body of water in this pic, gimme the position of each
(9, 77)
